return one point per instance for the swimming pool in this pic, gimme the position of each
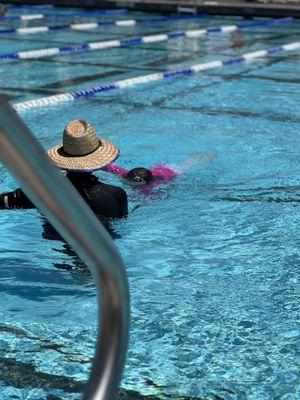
(212, 257)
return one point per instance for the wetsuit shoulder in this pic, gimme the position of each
(15, 200)
(121, 198)
(106, 200)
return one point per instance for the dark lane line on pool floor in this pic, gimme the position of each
(15, 57)
(13, 93)
(135, 67)
(94, 77)
(53, 42)
(234, 113)
(22, 374)
(222, 77)
(63, 59)
(117, 67)
(278, 79)
(69, 82)
(40, 40)
(205, 110)
(78, 80)
(220, 51)
(102, 64)
(158, 64)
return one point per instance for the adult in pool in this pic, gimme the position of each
(81, 153)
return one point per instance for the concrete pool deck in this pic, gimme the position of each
(220, 7)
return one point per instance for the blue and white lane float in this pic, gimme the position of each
(126, 42)
(31, 7)
(140, 80)
(92, 14)
(95, 25)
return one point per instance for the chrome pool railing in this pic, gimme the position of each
(60, 203)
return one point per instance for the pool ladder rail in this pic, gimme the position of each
(59, 202)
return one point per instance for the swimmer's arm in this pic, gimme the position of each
(164, 172)
(15, 200)
(169, 172)
(115, 169)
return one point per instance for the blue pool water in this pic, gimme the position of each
(212, 257)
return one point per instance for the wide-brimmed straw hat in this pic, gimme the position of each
(82, 150)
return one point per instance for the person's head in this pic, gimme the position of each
(140, 174)
(82, 150)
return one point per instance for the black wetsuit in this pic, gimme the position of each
(105, 200)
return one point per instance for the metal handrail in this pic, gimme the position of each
(60, 203)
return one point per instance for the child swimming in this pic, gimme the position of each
(159, 173)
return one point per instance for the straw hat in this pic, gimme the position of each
(82, 150)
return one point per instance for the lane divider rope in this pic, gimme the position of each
(30, 7)
(66, 97)
(125, 42)
(94, 25)
(30, 17)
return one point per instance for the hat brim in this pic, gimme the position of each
(104, 155)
